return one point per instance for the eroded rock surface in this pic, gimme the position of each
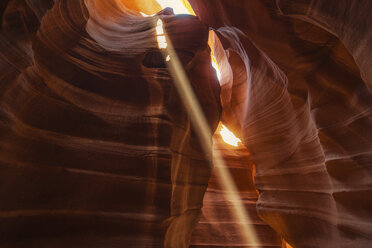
(219, 227)
(305, 113)
(97, 149)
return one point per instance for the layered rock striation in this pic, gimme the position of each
(304, 113)
(97, 149)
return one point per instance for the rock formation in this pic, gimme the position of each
(218, 227)
(306, 116)
(97, 149)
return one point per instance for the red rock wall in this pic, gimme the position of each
(218, 226)
(97, 149)
(306, 116)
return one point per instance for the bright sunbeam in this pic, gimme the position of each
(198, 120)
(229, 137)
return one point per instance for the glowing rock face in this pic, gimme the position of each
(229, 137)
(178, 6)
(183, 7)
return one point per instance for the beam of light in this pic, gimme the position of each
(229, 137)
(204, 133)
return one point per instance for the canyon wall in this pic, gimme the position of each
(97, 150)
(305, 116)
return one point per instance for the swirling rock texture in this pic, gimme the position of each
(218, 226)
(96, 149)
(305, 113)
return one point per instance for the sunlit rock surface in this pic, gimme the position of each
(96, 149)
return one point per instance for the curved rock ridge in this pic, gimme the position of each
(303, 101)
(96, 148)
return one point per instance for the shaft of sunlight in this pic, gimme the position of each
(198, 120)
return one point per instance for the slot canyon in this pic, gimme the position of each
(114, 116)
